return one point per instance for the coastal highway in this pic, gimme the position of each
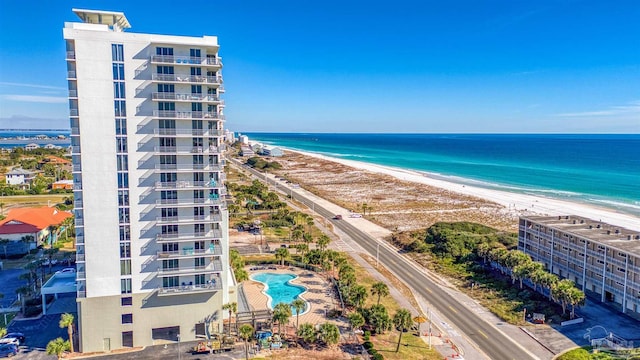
(490, 340)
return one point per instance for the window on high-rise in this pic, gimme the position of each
(117, 52)
(125, 286)
(194, 53)
(118, 71)
(164, 51)
(165, 70)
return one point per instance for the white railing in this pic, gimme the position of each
(201, 79)
(171, 114)
(186, 60)
(214, 266)
(189, 236)
(187, 252)
(171, 290)
(185, 97)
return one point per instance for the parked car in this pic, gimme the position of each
(355, 215)
(46, 262)
(66, 270)
(6, 340)
(8, 350)
(15, 335)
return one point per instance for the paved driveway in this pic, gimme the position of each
(39, 331)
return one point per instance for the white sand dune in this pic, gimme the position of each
(518, 203)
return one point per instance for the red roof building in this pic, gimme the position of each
(35, 222)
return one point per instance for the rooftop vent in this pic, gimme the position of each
(598, 226)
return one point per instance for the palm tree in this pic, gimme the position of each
(4, 243)
(66, 321)
(49, 253)
(329, 333)
(307, 333)
(57, 347)
(233, 308)
(323, 241)
(364, 209)
(381, 289)
(281, 314)
(575, 297)
(246, 333)
(402, 320)
(23, 291)
(358, 295)
(356, 320)
(26, 240)
(282, 254)
(297, 234)
(303, 248)
(298, 305)
(561, 292)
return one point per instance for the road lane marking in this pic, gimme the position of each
(483, 334)
(452, 309)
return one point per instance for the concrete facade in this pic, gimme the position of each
(603, 260)
(151, 222)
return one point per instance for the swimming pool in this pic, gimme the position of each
(279, 289)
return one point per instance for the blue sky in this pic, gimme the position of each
(367, 66)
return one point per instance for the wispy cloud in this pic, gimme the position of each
(629, 109)
(37, 86)
(36, 98)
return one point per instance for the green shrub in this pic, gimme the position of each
(367, 335)
(368, 345)
(377, 356)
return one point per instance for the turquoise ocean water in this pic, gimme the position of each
(602, 170)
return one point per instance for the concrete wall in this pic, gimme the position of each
(101, 318)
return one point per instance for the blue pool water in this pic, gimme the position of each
(278, 288)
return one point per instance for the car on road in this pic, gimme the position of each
(355, 215)
(8, 350)
(15, 335)
(337, 217)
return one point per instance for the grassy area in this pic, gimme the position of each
(588, 353)
(32, 200)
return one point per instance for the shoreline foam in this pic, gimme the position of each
(523, 204)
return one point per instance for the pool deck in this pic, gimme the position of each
(319, 294)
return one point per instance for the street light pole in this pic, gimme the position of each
(179, 355)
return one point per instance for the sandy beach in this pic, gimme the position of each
(409, 199)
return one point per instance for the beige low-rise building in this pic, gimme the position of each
(602, 259)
